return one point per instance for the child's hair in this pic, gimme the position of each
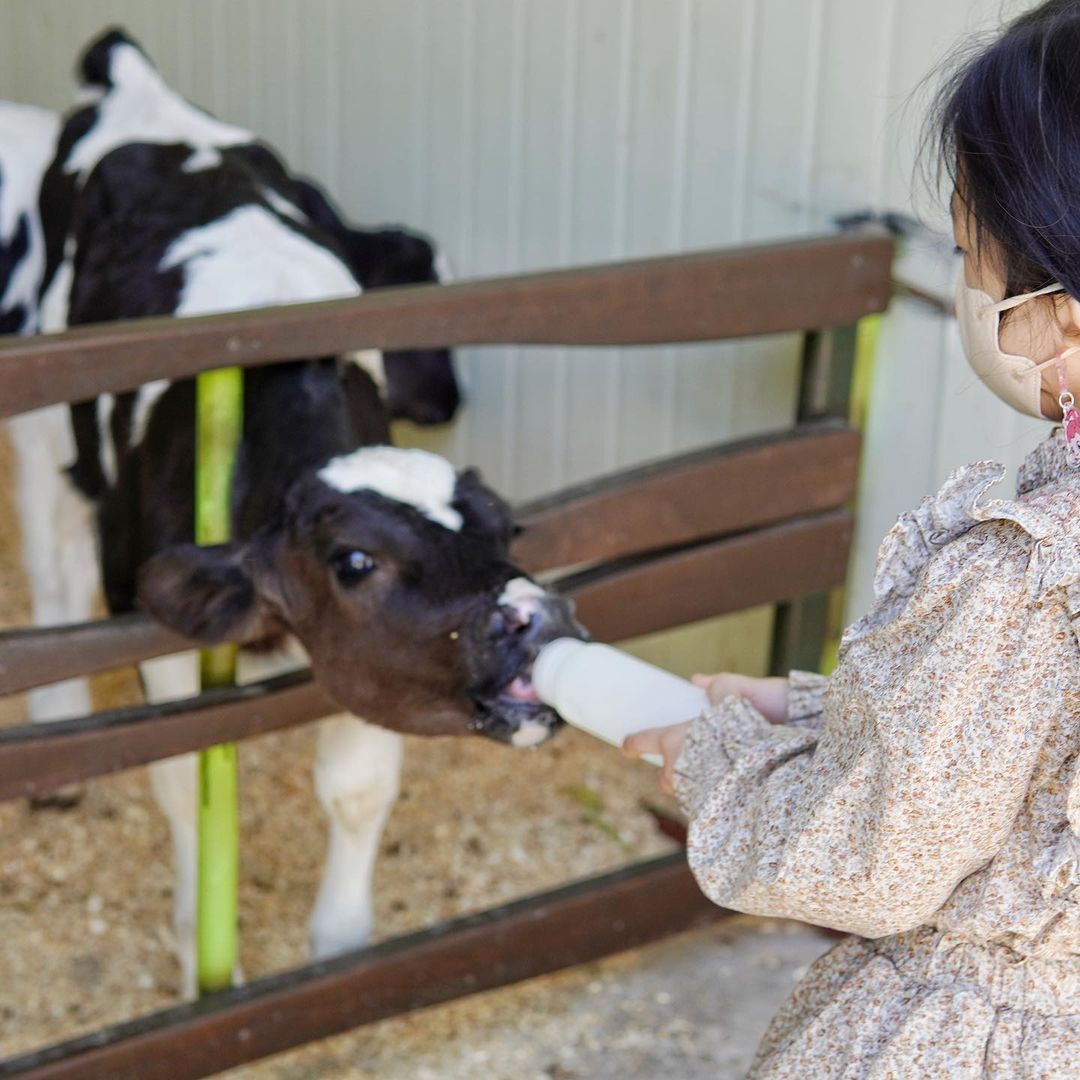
(1007, 126)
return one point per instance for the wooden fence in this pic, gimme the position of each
(765, 520)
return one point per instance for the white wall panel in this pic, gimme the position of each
(535, 133)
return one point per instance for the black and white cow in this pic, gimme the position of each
(386, 566)
(420, 385)
(58, 550)
(27, 145)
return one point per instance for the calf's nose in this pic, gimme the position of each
(514, 620)
(526, 610)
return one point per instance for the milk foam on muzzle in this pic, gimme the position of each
(610, 694)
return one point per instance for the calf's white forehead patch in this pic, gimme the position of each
(414, 477)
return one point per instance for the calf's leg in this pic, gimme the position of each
(357, 776)
(173, 783)
(59, 557)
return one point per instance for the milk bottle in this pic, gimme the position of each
(610, 694)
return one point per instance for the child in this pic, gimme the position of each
(926, 797)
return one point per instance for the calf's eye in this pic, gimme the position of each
(351, 567)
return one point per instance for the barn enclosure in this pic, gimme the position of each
(527, 136)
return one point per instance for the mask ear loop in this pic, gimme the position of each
(1070, 415)
(1015, 301)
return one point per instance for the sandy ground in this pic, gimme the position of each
(85, 898)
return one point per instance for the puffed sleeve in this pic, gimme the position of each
(927, 739)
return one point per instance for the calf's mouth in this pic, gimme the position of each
(515, 714)
(506, 705)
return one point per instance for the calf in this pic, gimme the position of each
(27, 145)
(387, 567)
(56, 524)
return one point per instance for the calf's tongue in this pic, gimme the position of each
(522, 689)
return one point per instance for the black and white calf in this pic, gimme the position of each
(386, 566)
(57, 527)
(27, 145)
(124, 101)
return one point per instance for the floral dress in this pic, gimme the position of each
(925, 797)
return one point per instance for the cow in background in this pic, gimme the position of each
(58, 550)
(27, 145)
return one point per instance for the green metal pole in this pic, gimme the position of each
(867, 333)
(219, 424)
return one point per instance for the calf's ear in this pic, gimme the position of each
(204, 593)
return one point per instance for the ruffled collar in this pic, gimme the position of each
(1048, 463)
(964, 502)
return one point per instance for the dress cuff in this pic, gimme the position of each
(805, 693)
(713, 745)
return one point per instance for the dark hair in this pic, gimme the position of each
(1007, 125)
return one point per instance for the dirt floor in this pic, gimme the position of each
(690, 1008)
(85, 895)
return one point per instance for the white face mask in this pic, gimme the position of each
(1015, 379)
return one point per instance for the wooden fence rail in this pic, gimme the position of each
(36, 656)
(707, 296)
(544, 933)
(38, 758)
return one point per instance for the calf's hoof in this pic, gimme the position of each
(325, 942)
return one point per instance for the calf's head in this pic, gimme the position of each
(421, 384)
(393, 571)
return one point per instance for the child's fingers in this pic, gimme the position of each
(671, 744)
(665, 741)
(643, 742)
(667, 778)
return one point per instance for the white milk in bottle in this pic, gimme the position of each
(610, 694)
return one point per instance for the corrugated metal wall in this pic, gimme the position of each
(537, 133)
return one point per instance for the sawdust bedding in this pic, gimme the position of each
(85, 894)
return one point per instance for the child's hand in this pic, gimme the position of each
(665, 741)
(768, 696)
